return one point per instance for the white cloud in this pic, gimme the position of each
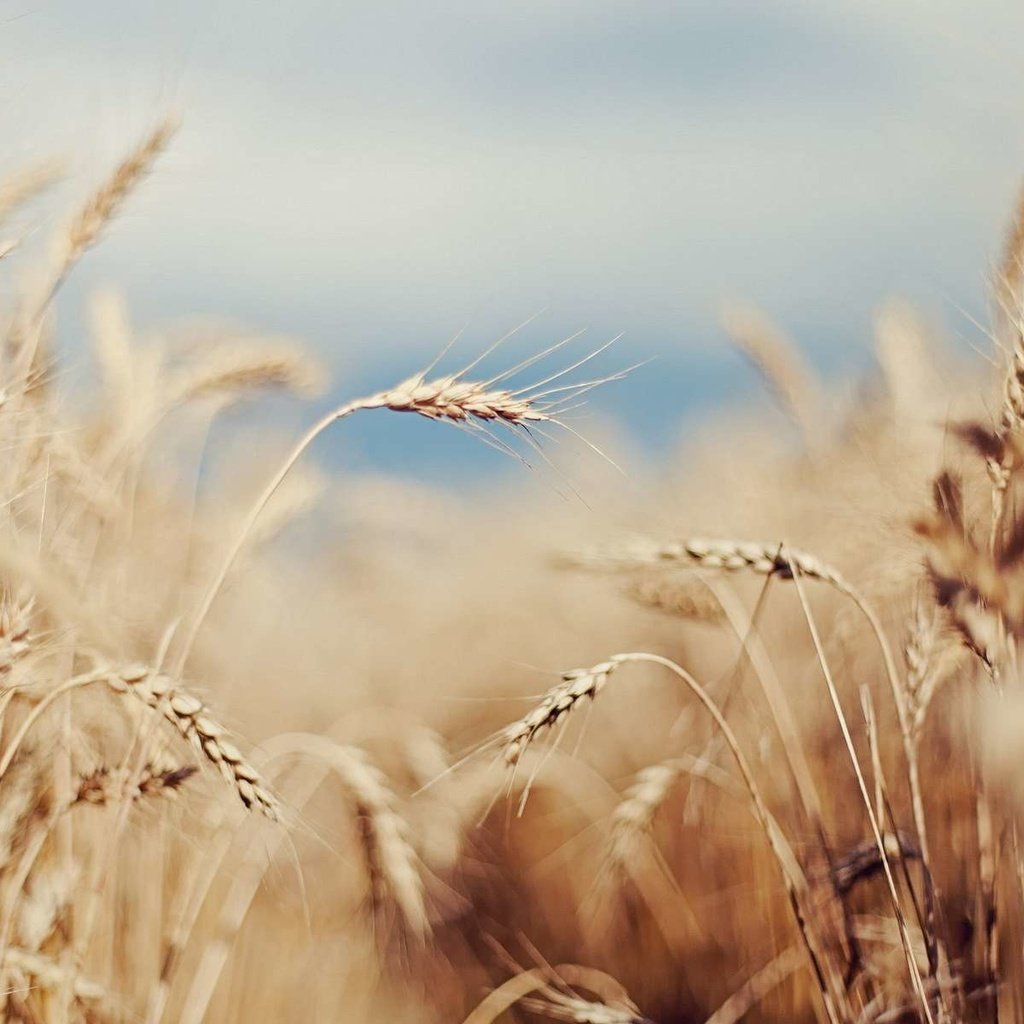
(433, 161)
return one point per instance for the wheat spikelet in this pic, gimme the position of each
(194, 722)
(778, 361)
(729, 555)
(390, 857)
(559, 701)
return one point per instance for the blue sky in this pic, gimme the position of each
(374, 177)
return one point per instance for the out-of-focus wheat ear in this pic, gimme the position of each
(776, 358)
(40, 971)
(103, 205)
(633, 818)
(766, 559)
(19, 797)
(392, 865)
(686, 598)
(22, 187)
(904, 350)
(391, 861)
(230, 371)
(195, 723)
(44, 902)
(26, 333)
(104, 785)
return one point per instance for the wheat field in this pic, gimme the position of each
(747, 748)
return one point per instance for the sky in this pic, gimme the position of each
(377, 177)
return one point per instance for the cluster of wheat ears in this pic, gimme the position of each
(801, 803)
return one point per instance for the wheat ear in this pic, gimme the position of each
(634, 816)
(391, 861)
(786, 376)
(194, 722)
(454, 398)
(106, 201)
(779, 560)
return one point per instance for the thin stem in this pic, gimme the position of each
(833, 693)
(793, 880)
(249, 522)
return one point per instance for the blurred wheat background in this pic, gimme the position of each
(377, 644)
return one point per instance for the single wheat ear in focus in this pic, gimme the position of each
(482, 406)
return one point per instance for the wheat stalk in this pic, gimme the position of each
(581, 683)
(455, 399)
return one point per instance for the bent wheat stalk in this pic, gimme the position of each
(581, 683)
(561, 1001)
(454, 399)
